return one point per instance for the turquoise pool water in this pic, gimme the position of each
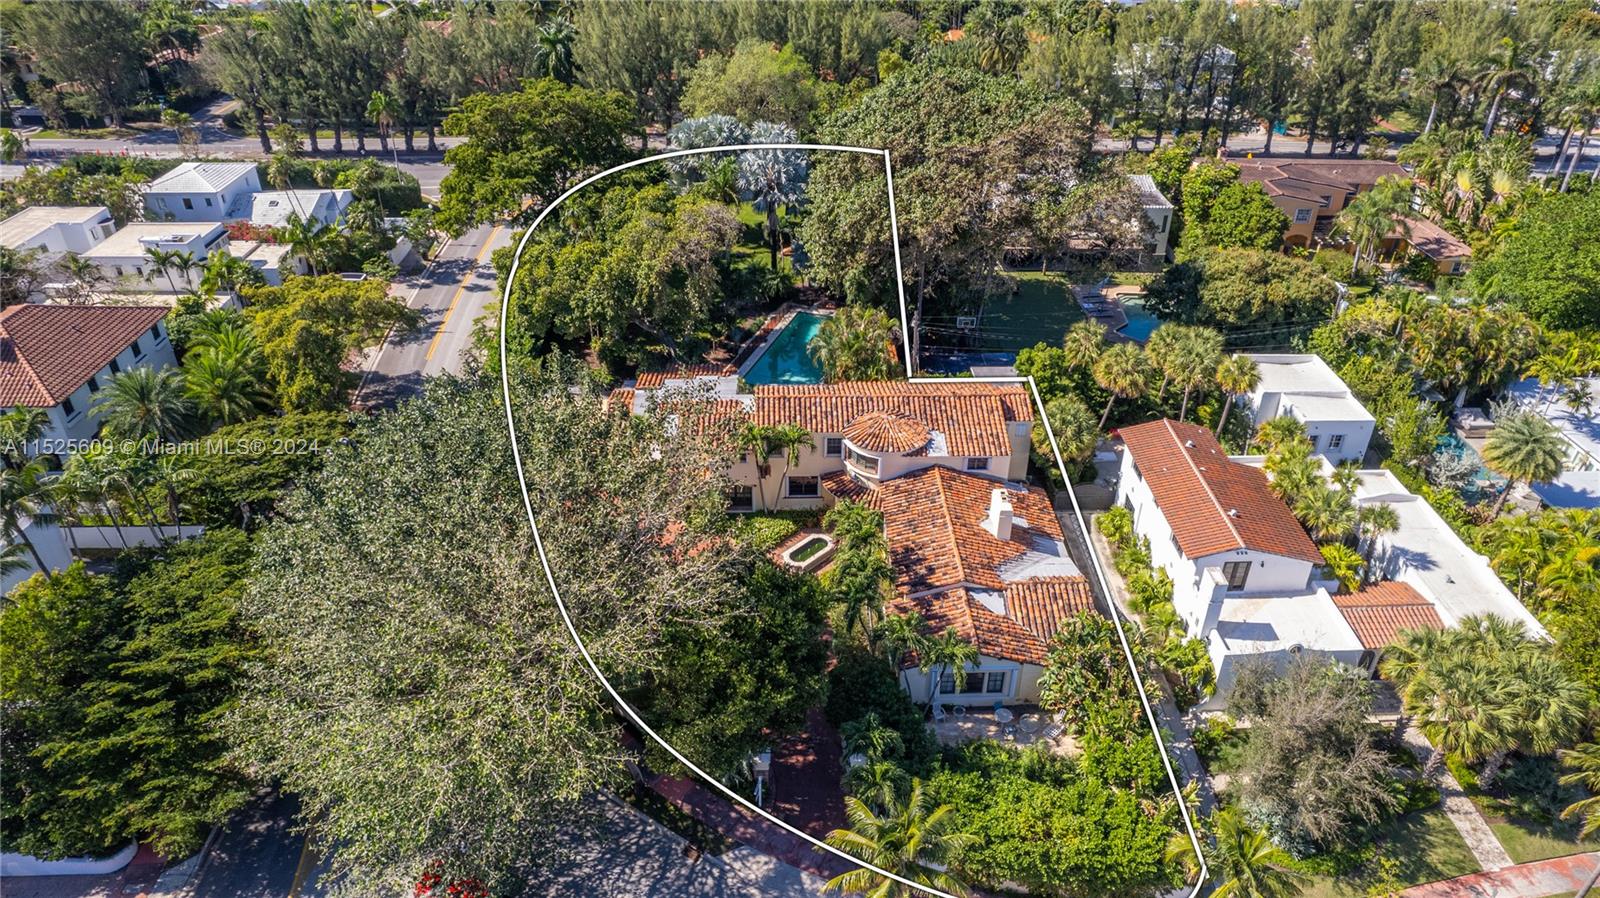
(1454, 445)
(785, 360)
(1140, 323)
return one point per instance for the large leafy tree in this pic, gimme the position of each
(96, 45)
(1241, 287)
(1546, 266)
(460, 725)
(525, 148)
(1220, 210)
(112, 694)
(757, 83)
(963, 146)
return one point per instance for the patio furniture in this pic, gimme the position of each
(1054, 731)
(1010, 731)
(1003, 715)
(938, 713)
(958, 710)
(1028, 724)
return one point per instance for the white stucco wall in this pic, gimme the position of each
(79, 422)
(1022, 684)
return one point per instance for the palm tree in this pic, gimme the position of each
(166, 261)
(183, 126)
(868, 735)
(23, 500)
(11, 147)
(854, 343)
(773, 177)
(383, 110)
(280, 170)
(1244, 862)
(144, 403)
(309, 239)
(1120, 371)
(1279, 433)
(1196, 362)
(947, 653)
(13, 559)
(899, 635)
(856, 526)
(762, 441)
(1584, 762)
(1372, 521)
(1083, 343)
(1343, 564)
(912, 840)
(1506, 66)
(1523, 448)
(1160, 349)
(89, 476)
(226, 387)
(20, 427)
(879, 783)
(86, 275)
(172, 476)
(553, 53)
(1374, 215)
(1237, 375)
(226, 273)
(1328, 514)
(1463, 708)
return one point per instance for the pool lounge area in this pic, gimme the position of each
(783, 358)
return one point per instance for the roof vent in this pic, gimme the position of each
(1233, 512)
(1188, 444)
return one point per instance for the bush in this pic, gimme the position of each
(1116, 525)
(1210, 739)
(862, 683)
(766, 531)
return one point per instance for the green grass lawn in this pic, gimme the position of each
(1041, 310)
(1426, 846)
(751, 250)
(1527, 841)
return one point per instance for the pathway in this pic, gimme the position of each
(1462, 812)
(1180, 743)
(1556, 876)
(746, 828)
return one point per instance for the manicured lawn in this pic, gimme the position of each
(1425, 844)
(751, 250)
(1527, 841)
(1041, 310)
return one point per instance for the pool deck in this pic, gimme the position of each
(1112, 315)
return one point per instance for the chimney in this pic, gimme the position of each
(998, 523)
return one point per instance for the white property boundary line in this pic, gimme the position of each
(905, 333)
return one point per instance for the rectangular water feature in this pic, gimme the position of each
(784, 360)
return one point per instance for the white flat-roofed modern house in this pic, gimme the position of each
(57, 229)
(200, 191)
(124, 259)
(1578, 486)
(1303, 387)
(56, 358)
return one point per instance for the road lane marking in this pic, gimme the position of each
(383, 345)
(303, 868)
(433, 346)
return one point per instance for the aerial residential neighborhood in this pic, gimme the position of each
(861, 447)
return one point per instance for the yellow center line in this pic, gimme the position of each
(462, 288)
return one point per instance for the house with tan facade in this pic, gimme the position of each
(974, 548)
(1311, 192)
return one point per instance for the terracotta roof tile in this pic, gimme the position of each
(887, 432)
(1044, 604)
(48, 352)
(972, 417)
(653, 380)
(1033, 613)
(933, 519)
(1212, 504)
(1378, 613)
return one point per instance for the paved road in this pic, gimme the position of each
(257, 855)
(452, 293)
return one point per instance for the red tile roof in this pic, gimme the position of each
(1022, 634)
(48, 352)
(887, 432)
(1378, 613)
(654, 380)
(1311, 179)
(972, 417)
(1431, 240)
(1211, 503)
(933, 519)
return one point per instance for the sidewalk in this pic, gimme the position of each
(746, 828)
(1462, 812)
(1538, 879)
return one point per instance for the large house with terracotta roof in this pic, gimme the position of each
(56, 358)
(1247, 580)
(973, 547)
(1310, 192)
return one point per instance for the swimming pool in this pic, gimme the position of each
(1451, 444)
(1140, 322)
(785, 360)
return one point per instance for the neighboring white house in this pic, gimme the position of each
(1158, 211)
(973, 548)
(200, 191)
(272, 208)
(57, 358)
(122, 256)
(273, 260)
(1579, 483)
(51, 543)
(1306, 389)
(57, 229)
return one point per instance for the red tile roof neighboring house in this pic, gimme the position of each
(48, 352)
(972, 417)
(1311, 179)
(654, 380)
(1212, 504)
(933, 519)
(1378, 613)
(1431, 240)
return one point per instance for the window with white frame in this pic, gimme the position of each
(977, 464)
(834, 447)
(1301, 216)
(1335, 440)
(979, 682)
(803, 487)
